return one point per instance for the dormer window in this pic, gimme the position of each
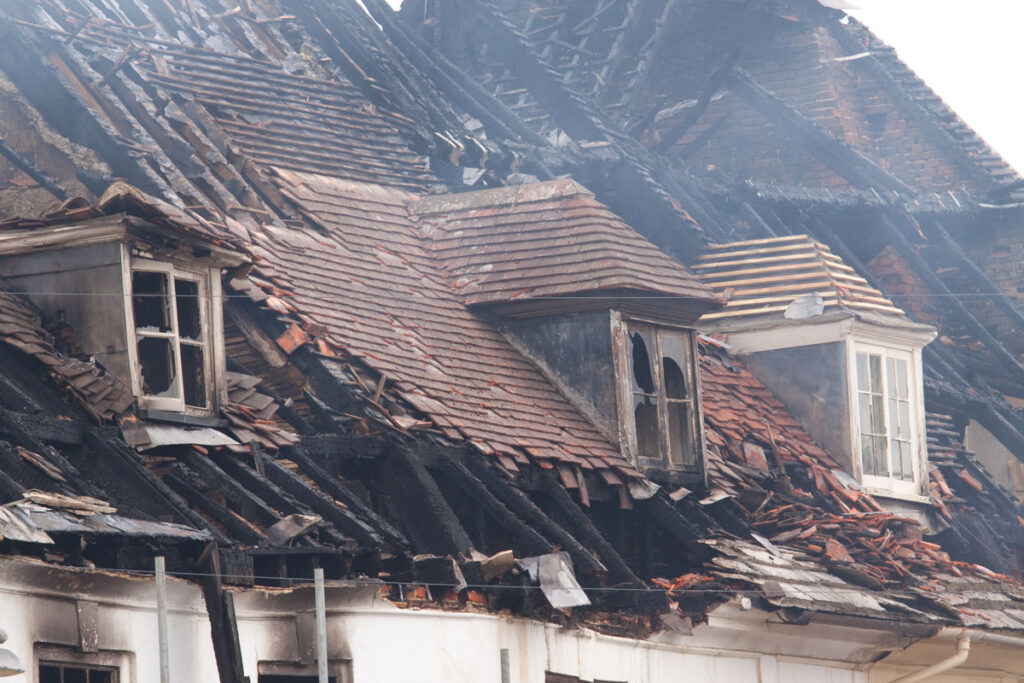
(170, 313)
(663, 428)
(842, 358)
(887, 413)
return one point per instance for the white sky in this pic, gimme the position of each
(971, 52)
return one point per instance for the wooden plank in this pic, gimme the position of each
(808, 247)
(767, 240)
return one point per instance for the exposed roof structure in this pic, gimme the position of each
(393, 203)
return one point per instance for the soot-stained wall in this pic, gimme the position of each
(811, 381)
(575, 351)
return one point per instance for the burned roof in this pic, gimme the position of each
(368, 276)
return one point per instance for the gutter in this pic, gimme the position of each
(963, 648)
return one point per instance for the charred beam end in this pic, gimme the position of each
(245, 501)
(45, 181)
(323, 504)
(223, 626)
(517, 501)
(663, 511)
(529, 541)
(178, 480)
(145, 484)
(334, 488)
(618, 570)
(430, 522)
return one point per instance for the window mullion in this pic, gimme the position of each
(659, 387)
(176, 340)
(886, 416)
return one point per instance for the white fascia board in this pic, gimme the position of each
(786, 334)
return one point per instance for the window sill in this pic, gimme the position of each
(184, 418)
(889, 494)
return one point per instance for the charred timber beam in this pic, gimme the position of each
(10, 490)
(130, 480)
(618, 571)
(428, 519)
(12, 425)
(323, 504)
(270, 493)
(976, 275)
(960, 311)
(242, 500)
(338, 491)
(220, 607)
(840, 157)
(716, 81)
(528, 540)
(517, 501)
(465, 91)
(44, 180)
(180, 480)
(663, 511)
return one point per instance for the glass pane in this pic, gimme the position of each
(151, 302)
(904, 417)
(645, 416)
(680, 439)
(101, 677)
(875, 370)
(865, 413)
(156, 359)
(73, 675)
(48, 674)
(643, 370)
(193, 373)
(895, 458)
(867, 455)
(862, 372)
(890, 372)
(880, 466)
(877, 415)
(675, 380)
(902, 390)
(186, 294)
(908, 465)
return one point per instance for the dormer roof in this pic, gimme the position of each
(549, 241)
(765, 277)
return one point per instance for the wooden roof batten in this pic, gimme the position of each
(765, 276)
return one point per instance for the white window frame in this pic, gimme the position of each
(889, 485)
(624, 374)
(208, 290)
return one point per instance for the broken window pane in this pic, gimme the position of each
(645, 416)
(156, 360)
(680, 440)
(151, 301)
(74, 675)
(186, 294)
(643, 370)
(49, 674)
(193, 375)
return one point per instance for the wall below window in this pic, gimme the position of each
(811, 382)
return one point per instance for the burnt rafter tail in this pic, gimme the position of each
(220, 607)
(517, 501)
(618, 569)
(843, 159)
(430, 522)
(334, 488)
(528, 541)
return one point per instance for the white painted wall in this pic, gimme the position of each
(372, 641)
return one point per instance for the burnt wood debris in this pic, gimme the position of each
(388, 196)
